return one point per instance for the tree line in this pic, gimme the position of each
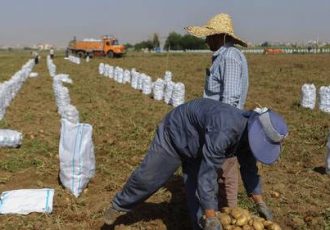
(174, 41)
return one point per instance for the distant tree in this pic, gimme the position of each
(193, 43)
(128, 45)
(265, 44)
(144, 45)
(173, 42)
(155, 41)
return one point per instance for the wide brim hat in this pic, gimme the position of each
(266, 132)
(219, 24)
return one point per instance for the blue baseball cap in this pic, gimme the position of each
(266, 132)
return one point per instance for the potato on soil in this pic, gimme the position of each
(224, 218)
(257, 225)
(241, 220)
(228, 227)
(247, 227)
(273, 226)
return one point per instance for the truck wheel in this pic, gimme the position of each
(81, 54)
(110, 54)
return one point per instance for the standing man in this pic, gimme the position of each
(35, 56)
(199, 135)
(227, 81)
(51, 53)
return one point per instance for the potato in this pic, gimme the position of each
(233, 221)
(224, 218)
(274, 226)
(246, 213)
(257, 225)
(237, 228)
(275, 194)
(226, 210)
(250, 222)
(267, 223)
(247, 227)
(228, 227)
(241, 220)
(235, 212)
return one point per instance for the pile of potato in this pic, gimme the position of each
(240, 219)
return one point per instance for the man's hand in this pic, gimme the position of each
(264, 211)
(212, 223)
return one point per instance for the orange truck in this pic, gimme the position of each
(273, 51)
(106, 46)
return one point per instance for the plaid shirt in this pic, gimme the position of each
(227, 79)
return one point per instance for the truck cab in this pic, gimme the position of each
(112, 48)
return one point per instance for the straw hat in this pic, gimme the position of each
(219, 24)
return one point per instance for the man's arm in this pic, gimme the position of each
(252, 183)
(216, 142)
(249, 172)
(232, 84)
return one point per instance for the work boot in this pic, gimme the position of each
(111, 214)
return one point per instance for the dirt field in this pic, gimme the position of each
(124, 121)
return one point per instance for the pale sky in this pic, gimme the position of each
(29, 22)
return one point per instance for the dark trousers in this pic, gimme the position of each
(160, 162)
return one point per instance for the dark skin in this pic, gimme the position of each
(216, 41)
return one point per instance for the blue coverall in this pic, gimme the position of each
(197, 135)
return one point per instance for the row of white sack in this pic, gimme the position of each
(10, 88)
(51, 66)
(73, 59)
(62, 96)
(308, 97)
(162, 89)
(76, 149)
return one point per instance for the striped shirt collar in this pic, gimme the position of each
(222, 48)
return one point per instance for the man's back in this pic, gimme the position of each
(188, 123)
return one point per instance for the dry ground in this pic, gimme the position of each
(124, 121)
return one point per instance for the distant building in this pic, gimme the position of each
(43, 46)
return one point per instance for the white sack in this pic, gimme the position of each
(77, 160)
(178, 94)
(169, 86)
(101, 68)
(308, 96)
(10, 138)
(158, 89)
(25, 201)
(327, 159)
(324, 99)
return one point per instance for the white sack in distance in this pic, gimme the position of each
(178, 94)
(324, 99)
(10, 138)
(327, 158)
(308, 96)
(25, 201)
(158, 89)
(169, 86)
